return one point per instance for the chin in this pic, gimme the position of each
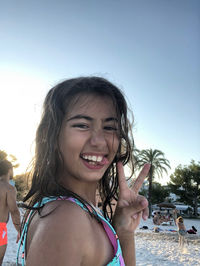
(93, 177)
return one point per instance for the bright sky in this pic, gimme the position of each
(149, 48)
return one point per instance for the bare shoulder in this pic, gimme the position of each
(65, 213)
(64, 229)
(11, 191)
(7, 188)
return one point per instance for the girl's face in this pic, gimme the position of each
(88, 139)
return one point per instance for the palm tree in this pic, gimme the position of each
(158, 162)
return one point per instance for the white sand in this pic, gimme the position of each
(162, 248)
(151, 248)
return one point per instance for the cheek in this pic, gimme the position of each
(70, 144)
(114, 144)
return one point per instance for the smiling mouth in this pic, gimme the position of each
(95, 159)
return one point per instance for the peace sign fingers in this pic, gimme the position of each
(130, 206)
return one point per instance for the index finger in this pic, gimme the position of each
(121, 177)
(140, 179)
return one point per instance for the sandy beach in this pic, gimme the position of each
(162, 248)
(151, 248)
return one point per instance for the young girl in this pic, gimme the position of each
(82, 143)
(181, 231)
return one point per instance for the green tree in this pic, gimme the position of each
(21, 186)
(185, 182)
(158, 162)
(159, 193)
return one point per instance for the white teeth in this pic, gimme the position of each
(99, 158)
(93, 163)
(93, 158)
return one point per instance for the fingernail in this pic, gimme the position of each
(145, 217)
(144, 203)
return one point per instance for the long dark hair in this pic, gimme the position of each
(48, 158)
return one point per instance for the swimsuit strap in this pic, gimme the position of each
(117, 260)
(22, 241)
(107, 227)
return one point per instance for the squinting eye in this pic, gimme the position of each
(110, 128)
(82, 126)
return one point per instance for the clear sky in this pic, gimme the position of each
(149, 48)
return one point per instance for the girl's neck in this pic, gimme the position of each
(84, 190)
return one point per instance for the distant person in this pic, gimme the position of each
(7, 205)
(153, 213)
(170, 219)
(157, 218)
(175, 213)
(181, 231)
(193, 230)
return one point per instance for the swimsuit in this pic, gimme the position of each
(182, 232)
(3, 234)
(116, 261)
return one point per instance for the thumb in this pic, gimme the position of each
(138, 205)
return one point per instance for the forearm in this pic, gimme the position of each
(16, 219)
(128, 249)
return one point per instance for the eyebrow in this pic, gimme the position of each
(90, 118)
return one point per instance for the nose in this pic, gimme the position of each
(97, 138)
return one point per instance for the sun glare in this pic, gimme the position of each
(21, 98)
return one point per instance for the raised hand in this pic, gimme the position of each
(131, 206)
